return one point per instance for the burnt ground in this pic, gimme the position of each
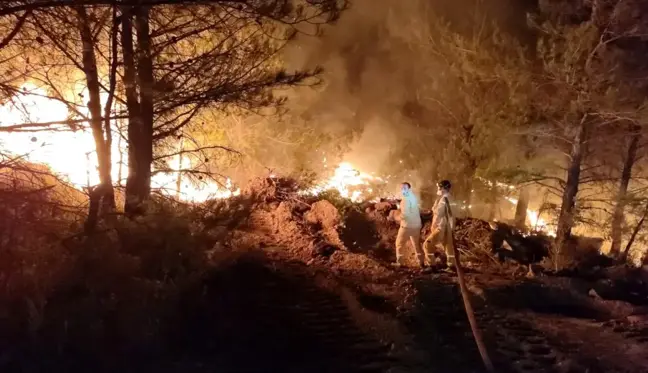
(266, 312)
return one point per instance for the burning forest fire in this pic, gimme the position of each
(70, 154)
(324, 185)
(349, 182)
(536, 222)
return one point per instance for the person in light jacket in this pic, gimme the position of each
(410, 225)
(443, 223)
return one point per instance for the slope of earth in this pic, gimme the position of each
(302, 285)
(346, 250)
(267, 312)
(565, 334)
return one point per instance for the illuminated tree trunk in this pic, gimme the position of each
(626, 174)
(521, 208)
(492, 209)
(140, 126)
(145, 80)
(133, 197)
(109, 203)
(471, 171)
(103, 192)
(179, 176)
(636, 231)
(566, 217)
(120, 169)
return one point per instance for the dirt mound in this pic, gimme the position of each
(311, 227)
(370, 232)
(373, 231)
(323, 213)
(325, 219)
(271, 189)
(274, 224)
(278, 216)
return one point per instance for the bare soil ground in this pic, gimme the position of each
(300, 285)
(268, 313)
(375, 318)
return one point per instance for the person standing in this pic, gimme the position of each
(443, 223)
(410, 225)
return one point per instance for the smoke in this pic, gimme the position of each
(378, 135)
(368, 84)
(370, 98)
(371, 108)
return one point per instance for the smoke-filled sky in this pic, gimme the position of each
(371, 75)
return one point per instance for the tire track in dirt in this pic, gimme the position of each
(275, 318)
(633, 331)
(517, 346)
(439, 322)
(325, 317)
(514, 343)
(518, 339)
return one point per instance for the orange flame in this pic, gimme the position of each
(72, 155)
(349, 182)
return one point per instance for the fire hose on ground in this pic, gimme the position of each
(468, 306)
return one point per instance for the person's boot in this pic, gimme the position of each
(424, 267)
(427, 265)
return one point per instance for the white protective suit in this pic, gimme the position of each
(410, 212)
(410, 228)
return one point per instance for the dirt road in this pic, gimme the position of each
(270, 316)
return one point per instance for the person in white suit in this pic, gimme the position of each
(410, 225)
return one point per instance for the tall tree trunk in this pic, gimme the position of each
(626, 174)
(109, 200)
(140, 137)
(493, 204)
(521, 208)
(636, 231)
(96, 124)
(145, 80)
(179, 176)
(470, 173)
(120, 166)
(467, 196)
(566, 217)
(133, 196)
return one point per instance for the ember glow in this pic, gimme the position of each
(537, 223)
(71, 154)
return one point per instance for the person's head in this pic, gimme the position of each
(444, 187)
(406, 189)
